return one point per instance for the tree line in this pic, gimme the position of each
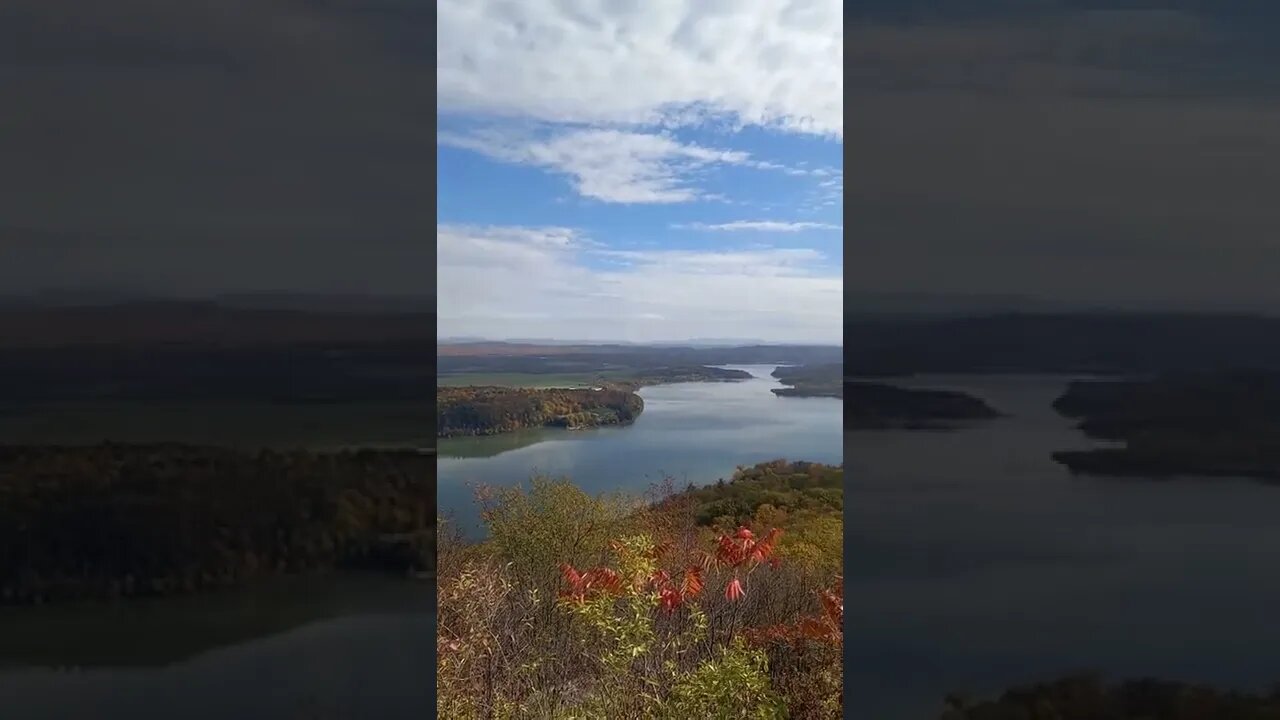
(492, 410)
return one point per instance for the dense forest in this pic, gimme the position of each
(1207, 424)
(786, 486)
(1089, 697)
(491, 410)
(722, 601)
(825, 380)
(119, 520)
(643, 377)
(875, 406)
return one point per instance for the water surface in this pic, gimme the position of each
(692, 432)
(341, 645)
(975, 562)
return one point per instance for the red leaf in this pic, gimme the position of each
(691, 585)
(733, 591)
(571, 575)
(660, 549)
(704, 559)
(660, 579)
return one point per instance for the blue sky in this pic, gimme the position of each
(642, 172)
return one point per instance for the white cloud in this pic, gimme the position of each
(609, 165)
(551, 282)
(760, 226)
(650, 62)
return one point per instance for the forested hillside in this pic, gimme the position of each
(1224, 424)
(492, 410)
(109, 520)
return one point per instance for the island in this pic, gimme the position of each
(877, 406)
(1205, 424)
(825, 380)
(121, 520)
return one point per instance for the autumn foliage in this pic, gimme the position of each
(663, 618)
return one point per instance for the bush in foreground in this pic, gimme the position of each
(1089, 697)
(609, 610)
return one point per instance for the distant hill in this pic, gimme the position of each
(203, 323)
(873, 304)
(1106, 343)
(336, 303)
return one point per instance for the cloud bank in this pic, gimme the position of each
(645, 62)
(550, 282)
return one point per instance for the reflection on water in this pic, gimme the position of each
(975, 562)
(482, 447)
(691, 432)
(328, 646)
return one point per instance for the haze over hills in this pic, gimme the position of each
(203, 322)
(281, 300)
(692, 342)
(934, 304)
(114, 316)
(942, 304)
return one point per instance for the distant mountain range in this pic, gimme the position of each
(306, 302)
(946, 304)
(204, 323)
(549, 342)
(891, 332)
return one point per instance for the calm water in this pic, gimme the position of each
(975, 562)
(692, 432)
(329, 646)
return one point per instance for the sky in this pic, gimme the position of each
(657, 170)
(1123, 154)
(188, 148)
(640, 171)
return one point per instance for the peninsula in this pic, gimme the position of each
(1213, 424)
(876, 406)
(462, 411)
(607, 400)
(880, 406)
(826, 380)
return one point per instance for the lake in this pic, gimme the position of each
(692, 432)
(338, 645)
(975, 562)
